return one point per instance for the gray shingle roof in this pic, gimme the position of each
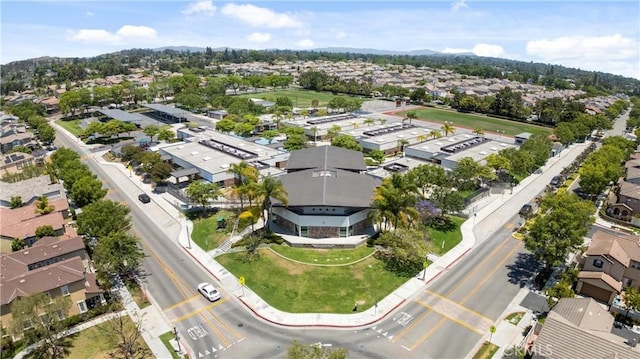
(559, 339)
(326, 157)
(584, 313)
(319, 187)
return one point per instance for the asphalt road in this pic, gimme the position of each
(223, 329)
(446, 320)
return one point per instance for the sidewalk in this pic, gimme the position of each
(489, 213)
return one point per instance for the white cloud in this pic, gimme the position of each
(486, 50)
(575, 47)
(89, 14)
(204, 7)
(616, 54)
(259, 16)
(460, 4)
(305, 43)
(126, 34)
(341, 35)
(259, 37)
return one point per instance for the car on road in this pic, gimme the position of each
(555, 181)
(526, 210)
(144, 198)
(209, 291)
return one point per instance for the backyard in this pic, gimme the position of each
(473, 121)
(300, 98)
(308, 288)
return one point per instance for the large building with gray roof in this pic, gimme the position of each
(328, 194)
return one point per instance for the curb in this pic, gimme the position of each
(323, 325)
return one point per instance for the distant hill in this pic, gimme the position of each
(336, 50)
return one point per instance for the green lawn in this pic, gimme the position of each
(473, 121)
(205, 231)
(451, 237)
(72, 126)
(95, 343)
(165, 340)
(323, 256)
(514, 318)
(300, 98)
(299, 288)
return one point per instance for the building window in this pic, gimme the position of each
(50, 298)
(343, 231)
(81, 306)
(60, 314)
(598, 263)
(65, 290)
(635, 265)
(304, 231)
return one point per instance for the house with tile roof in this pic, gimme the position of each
(30, 190)
(580, 328)
(611, 264)
(329, 196)
(57, 267)
(22, 222)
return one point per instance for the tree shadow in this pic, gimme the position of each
(523, 270)
(442, 223)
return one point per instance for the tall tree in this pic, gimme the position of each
(87, 190)
(126, 335)
(559, 229)
(42, 315)
(201, 192)
(117, 254)
(270, 188)
(448, 129)
(102, 218)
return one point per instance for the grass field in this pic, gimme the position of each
(300, 98)
(451, 238)
(94, 343)
(473, 121)
(72, 126)
(323, 256)
(299, 288)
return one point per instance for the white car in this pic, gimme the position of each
(209, 291)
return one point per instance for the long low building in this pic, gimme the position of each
(210, 154)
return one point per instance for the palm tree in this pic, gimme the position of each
(435, 134)
(394, 202)
(382, 121)
(269, 188)
(43, 206)
(355, 124)
(401, 144)
(448, 129)
(368, 121)
(421, 138)
(244, 174)
(412, 115)
(478, 131)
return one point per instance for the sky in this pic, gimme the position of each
(590, 35)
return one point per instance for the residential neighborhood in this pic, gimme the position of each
(288, 172)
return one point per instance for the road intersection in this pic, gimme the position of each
(445, 318)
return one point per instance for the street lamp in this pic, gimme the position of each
(175, 332)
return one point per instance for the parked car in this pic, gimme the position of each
(526, 210)
(144, 198)
(556, 181)
(209, 291)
